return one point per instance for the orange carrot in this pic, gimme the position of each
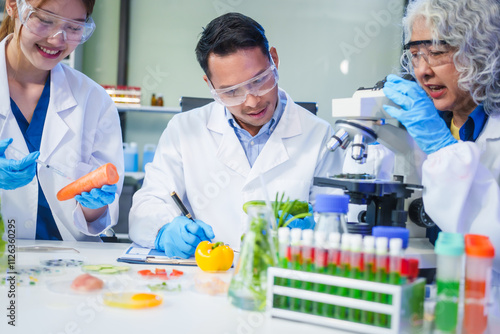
(106, 174)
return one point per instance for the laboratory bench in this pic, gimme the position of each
(46, 304)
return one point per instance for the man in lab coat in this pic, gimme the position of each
(253, 142)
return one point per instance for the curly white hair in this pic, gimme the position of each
(473, 28)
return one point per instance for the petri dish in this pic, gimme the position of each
(132, 300)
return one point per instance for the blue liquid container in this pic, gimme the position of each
(148, 154)
(131, 157)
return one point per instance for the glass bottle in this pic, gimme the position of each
(153, 99)
(248, 286)
(159, 100)
(332, 210)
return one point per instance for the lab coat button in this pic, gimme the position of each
(252, 143)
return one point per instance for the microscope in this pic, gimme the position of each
(361, 121)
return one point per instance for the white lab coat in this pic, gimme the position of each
(200, 157)
(81, 132)
(462, 187)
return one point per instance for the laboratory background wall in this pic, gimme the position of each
(327, 49)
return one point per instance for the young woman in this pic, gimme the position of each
(58, 115)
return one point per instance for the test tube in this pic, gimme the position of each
(320, 264)
(356, 272)
(381, 277)
(283, 247)
(449, 249)
(296, 263)
(367, 317)
(345, 268)
(478, 262)
(332, 267)
(307, 266)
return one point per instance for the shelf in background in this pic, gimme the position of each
(152, 109)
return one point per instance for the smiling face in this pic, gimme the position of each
(44, 53)
(229, 70)
(441, 81)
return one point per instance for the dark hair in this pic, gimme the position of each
(227, 34)
(8, 24)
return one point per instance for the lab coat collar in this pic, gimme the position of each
(232, 154)
(490, 129)
(57, 120)
(4, 89)
(61, 99)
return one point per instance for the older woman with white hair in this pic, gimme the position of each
(452, 48)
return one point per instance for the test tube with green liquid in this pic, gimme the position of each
(449, 249)
(368, 317)
(381, 277)
(320, 263)
(341, 312)
(307, 266)
(356, 272)
(333, 263)
(283, 246)
(296, 264)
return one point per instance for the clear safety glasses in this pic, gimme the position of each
(434, 53)
(259, 85)
(45, 24)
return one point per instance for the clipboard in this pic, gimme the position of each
(136, 254)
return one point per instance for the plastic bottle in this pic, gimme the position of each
(148, 154)
(307, 266)
(392, 232)
(478, 263)
(131, 157)
(332, 210)
(449, 250)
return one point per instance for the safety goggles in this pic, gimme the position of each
(45, 24)
(434, 53)
(259, 85)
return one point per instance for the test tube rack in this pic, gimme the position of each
(406, 310)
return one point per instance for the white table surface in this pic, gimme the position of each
(40, 310)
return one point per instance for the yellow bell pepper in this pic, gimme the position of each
(214, 257)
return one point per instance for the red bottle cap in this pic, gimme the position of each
(478, 245)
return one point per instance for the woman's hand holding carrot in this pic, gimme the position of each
(97, 197)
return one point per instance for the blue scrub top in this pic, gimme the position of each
(468, 132)
(46, 228)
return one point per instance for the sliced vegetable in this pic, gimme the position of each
(106, 174)
(214, 257)
(107, 269)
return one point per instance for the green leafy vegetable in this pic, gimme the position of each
(282, 208)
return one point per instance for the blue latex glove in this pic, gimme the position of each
(97, 198)
(303, 223)
(417, 114)
(16, 173)
(180, 237)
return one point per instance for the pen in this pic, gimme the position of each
(181, 206)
